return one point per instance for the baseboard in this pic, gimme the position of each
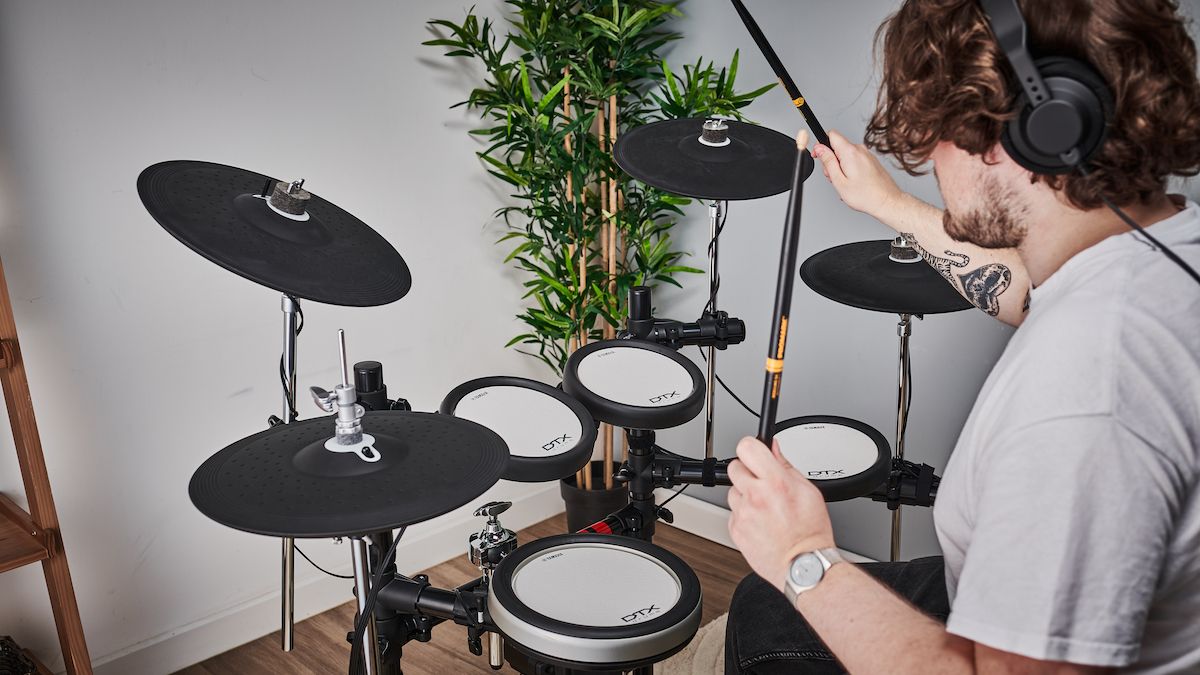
(712, 522)
(247, 621)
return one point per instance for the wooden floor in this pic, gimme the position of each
(321, 646)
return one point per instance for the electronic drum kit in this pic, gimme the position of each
(374, 465)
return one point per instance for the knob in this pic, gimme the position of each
(325, 400)
(492, 509)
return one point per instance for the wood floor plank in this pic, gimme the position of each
(321, 647)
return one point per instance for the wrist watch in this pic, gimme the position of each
(807, 570)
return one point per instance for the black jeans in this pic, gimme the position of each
(765, 635)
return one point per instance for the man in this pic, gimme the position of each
(1069, 513)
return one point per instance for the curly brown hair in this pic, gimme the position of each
(946, 79)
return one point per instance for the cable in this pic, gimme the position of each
(283, 374)
(357, 667)
(727, 389)
(715, 285)
(1163, 248)
(677, 493)
(310, 562)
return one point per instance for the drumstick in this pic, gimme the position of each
(785, 79)
(783, 296)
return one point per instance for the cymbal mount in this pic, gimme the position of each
(715, 133)
(348, 430)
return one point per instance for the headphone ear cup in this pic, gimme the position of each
(1068, 80)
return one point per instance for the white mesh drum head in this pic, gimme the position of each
(533, 424)
(596, 585)
(635, 377)
(827, 450)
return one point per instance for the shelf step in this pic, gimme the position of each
(21, 542)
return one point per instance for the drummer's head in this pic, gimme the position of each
(947, 91)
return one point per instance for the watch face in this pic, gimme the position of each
(807, 570)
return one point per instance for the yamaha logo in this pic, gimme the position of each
(664, 397)
(561, 440)
(642, 614)
(826, 473)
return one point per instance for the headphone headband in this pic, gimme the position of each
(1008, 25)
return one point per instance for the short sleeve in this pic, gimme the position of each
(1072, 525)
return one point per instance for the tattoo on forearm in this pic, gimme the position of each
(1025, 307)
(982, 286)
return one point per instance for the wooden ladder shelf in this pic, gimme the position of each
(33, 536)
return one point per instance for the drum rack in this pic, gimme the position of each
(33, 536)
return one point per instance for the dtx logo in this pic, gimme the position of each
(561, 440)
(826, 473)
(642, 614)
(664, 397)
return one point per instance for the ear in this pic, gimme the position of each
(997, 155)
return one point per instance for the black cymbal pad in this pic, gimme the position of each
(327, 256)
(757, 162)
(863, 275)
(282, 482)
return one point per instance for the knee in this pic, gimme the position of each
(751, 595)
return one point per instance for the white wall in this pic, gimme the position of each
(144, 358)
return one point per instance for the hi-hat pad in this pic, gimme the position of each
(318, 253)
(864, 275)
(282, 482)
(684, 157)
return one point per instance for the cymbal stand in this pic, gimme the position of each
(904, 330)
(362, 587)
(714, 284)
(291, 311)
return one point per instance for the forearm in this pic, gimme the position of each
(993, 280)
(872, 630)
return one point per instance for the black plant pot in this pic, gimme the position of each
(585, 507)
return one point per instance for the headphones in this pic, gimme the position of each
(1065, 106)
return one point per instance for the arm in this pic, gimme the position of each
(993, 280)
(777, 514)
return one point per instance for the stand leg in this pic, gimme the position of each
(291, 309)
(362, 586)
(904, 330)
(714, 220)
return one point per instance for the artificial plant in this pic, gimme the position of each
(564, 78)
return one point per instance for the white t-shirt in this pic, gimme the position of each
(1069, 512)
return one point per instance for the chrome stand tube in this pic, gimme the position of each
(362, 587)
(714, 220)
(291, 309)
(904, 330)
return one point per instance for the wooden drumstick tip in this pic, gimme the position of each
(802, 140)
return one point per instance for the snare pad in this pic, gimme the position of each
(549, 434)
(635, 384)
(843, 457)
(589, 600)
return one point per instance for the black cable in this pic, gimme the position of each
(727, 389)
(322, 569)
(283, 375)
(1162, 248)
(715, 284)
(677, 493)
(357, 667)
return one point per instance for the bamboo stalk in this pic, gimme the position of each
(573, 340)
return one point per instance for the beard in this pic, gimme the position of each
(995, 222)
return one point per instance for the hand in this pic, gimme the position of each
(858, 176)
(777, 512)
